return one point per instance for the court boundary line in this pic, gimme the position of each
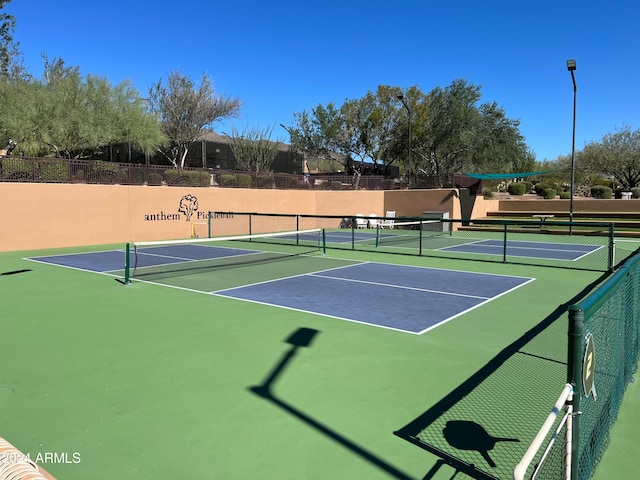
(390, 285)
(262, 282)
(450, 248)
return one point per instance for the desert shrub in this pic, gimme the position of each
(103, 172)
(77, 175)
(173, 177)
(154, 178)
(635, 192)
(16, 169)
(541, 187)
(264, 180)
(599, 180)
(488, 194)
(548, 193)
(227, 180)
(601, 191)
(529, 187)
(565, 195)
(283, 181)
(202, 179)
(52, 171)
(244, 180)
(516, 188)
(136, 176)
(186, 178)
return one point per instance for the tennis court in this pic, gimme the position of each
(527, 249)
(236, 361)
(372, 293)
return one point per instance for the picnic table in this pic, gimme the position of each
(543, 217)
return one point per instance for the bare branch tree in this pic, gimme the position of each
(253, 148)
(185, 111)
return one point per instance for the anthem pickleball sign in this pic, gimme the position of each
(589, 368)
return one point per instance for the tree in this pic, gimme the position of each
(253, 148)
(359, 130)
(315, 134)
(186, 111)
(11, 66)
(453, 134)
(67, 115)
(616, 156)
(450, 131)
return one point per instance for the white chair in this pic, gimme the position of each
(373, 220)
(361, 222)
(389, 220)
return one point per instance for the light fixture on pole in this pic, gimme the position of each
(401, 98)
(571, 66)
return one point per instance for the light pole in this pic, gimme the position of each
(401, 98)
(571, 66)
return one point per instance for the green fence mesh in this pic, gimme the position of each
(604, 348)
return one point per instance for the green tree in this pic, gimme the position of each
(66, 115)
(11, 65)
(616, 156)
(455, 134)
(185, 111)
(451, 131)
(316, 134)
(253, 148)
(19, 100)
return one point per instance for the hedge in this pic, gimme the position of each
(548, 193)
(186, 178)
(601, 191)
(516, 188)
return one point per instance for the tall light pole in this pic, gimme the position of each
(401, 98)
(571, 66)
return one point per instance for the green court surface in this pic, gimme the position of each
(151, 382)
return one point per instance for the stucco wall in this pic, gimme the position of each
(60, 215)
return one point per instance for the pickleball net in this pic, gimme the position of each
(181, 257)
(410, 233)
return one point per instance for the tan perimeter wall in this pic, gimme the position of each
(60, 215)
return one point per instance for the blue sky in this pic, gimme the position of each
(281, 57)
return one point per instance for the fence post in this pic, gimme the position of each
(127, 264)
(574, 377)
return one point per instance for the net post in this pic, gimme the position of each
(353, 233)
(377, 235)
(504, 243)
(612, 247)
(420, 238)
(209, 224)
(127, 264)
(324, 241)
(574, 377)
